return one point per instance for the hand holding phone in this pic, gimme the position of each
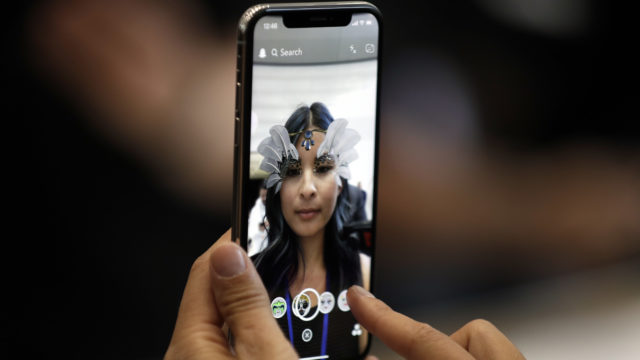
(224, 274)
(306, 162)
(208, 306)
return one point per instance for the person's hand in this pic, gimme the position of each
(479, 339)
(224, 288)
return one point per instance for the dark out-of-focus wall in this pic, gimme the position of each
(509, 157)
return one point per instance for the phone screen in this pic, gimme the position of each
(312, 172)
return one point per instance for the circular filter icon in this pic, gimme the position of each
(307, 335)
(342, 301)
(327, 302)
(301, 305)
(278, 307)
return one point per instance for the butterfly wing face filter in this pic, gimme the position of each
(278, 151)
(339, 142)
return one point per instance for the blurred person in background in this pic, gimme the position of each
(257, 223)
(507, 154)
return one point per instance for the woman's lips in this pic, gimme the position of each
(307, 214)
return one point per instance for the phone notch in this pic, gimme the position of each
(315, 19)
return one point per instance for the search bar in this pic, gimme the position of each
(317, 51)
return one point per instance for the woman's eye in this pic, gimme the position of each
(323, 169)
(293, 171)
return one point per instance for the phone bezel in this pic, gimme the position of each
(244, 74)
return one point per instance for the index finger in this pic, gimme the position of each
(484, 341)
(409, 338)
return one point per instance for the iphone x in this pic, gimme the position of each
(305, 169)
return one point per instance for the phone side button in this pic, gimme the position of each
(238, 89)
(236, 132)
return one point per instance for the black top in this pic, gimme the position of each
(342, 340)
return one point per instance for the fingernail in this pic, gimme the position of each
(360, 291)
(228, 261)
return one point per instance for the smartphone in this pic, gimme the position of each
(305, 169)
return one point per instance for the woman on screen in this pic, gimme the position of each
(309, 261)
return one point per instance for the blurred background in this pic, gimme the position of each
(509, 170)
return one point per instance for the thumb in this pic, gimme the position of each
(244, 305)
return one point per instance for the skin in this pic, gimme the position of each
(156, 83)
(263, 195)
(313, 186)
(224, 288)
(308, 196)
(411, 339)
(91, 51)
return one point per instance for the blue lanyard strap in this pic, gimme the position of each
(289, 317)
(325, 322)
(325, 330)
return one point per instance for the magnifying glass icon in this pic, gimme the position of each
(274, 52)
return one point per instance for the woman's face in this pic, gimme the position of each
(309, 190)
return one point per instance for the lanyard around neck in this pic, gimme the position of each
(325, 321)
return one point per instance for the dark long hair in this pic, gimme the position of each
(278, 263)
